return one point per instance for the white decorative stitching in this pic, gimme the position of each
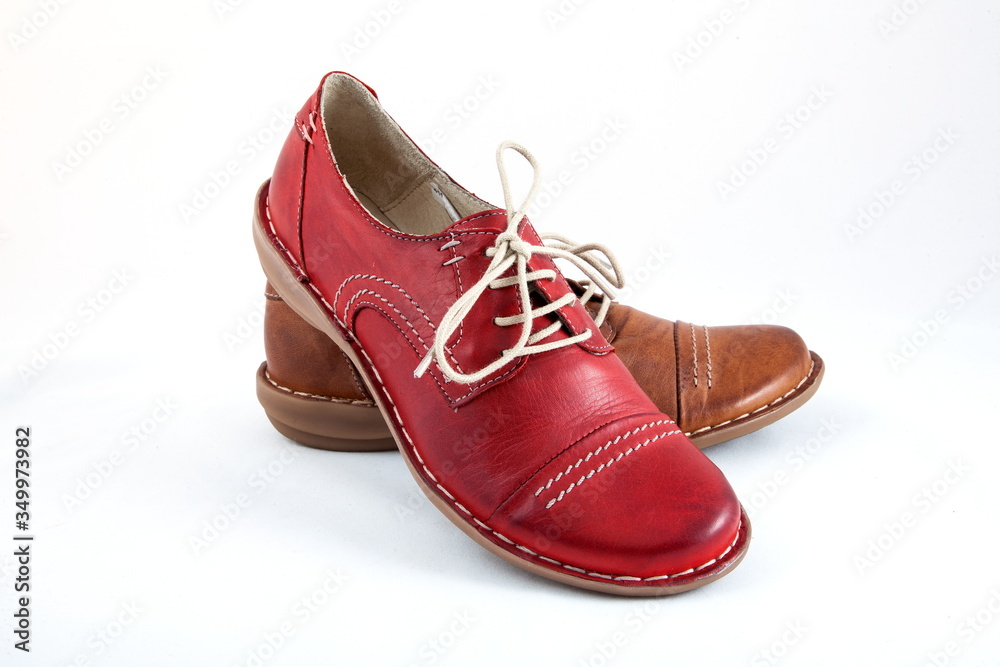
(708, 353)
(368, 276)
(362, 292)
(274, 233)
(413, 302)
(307, 134)
(606, 465)
(451, 354)
(765, 407)
(375, 306)
(331, 399)
(694, 347)
(453, 260)
(597, 451)
(450, 398)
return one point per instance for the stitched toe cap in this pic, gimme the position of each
(636, 500)
(726, 373)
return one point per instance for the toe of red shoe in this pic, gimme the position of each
(636, 504)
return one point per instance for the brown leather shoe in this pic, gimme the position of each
(718, 383)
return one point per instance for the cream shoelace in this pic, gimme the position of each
(510, 250)
(611, 271)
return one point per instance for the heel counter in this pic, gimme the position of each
(286, 189)
(303, 359)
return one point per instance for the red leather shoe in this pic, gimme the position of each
(510, 408)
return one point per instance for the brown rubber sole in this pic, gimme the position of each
(308, 305)
(323, 422)
(344, 425)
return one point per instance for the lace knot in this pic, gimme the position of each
(514, 244)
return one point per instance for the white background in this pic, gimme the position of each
(830, 556)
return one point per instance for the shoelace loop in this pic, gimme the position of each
(509, 250)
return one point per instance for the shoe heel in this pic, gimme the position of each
(304, 419)
(321, 422)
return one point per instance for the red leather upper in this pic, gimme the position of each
(559, 455)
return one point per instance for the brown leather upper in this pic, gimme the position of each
(304, 359)
(645, 344)
(701, 376)
(740, 370)
(708, 376)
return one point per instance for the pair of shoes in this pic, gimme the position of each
(534, 411)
